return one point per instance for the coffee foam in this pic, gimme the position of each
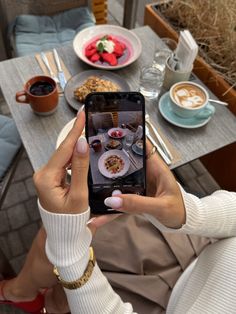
(189, 96)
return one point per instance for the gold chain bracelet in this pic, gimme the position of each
(82, 280)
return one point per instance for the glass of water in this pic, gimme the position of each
(129, 139)
(163, 52)
(151, 80)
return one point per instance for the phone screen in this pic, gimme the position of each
(115, 130)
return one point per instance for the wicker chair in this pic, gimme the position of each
(10, 9)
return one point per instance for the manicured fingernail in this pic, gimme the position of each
(113, 202)
(82, 145)
(81, 109)
(91, 220)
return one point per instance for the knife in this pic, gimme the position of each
(61, 74)
(162, 143)
(160, 151)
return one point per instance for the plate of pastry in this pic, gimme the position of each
(80, 85)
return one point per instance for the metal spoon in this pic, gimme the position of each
(219, 102)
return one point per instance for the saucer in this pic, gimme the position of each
(167, 113)
(136, 150)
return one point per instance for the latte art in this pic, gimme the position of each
(189, 96)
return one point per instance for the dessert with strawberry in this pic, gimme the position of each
(105, 49)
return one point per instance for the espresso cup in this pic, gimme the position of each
(190, 100)
(40, 92)
(96, 145)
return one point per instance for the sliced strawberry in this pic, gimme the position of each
(90, 52)
(89, 47)
(95, 57)
(118, 50)
(123, 46)
(110, 58)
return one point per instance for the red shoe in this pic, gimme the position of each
(35, 306)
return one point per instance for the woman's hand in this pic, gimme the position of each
(55, 195)
(164, 200)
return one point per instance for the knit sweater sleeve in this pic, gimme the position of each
(210, 216)
(67, 247)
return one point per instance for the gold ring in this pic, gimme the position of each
(154, 149)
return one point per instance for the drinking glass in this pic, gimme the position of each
(129, 139)
(163, 52)
(151, 80)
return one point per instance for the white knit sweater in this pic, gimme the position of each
(210, 287)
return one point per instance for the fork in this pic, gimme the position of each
(158, 136)
(45, 60)
(130, 158)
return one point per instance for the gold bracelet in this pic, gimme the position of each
(82, 280)
(152, 152)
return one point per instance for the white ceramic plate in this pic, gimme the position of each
(63, 133)
(130, 39)
(105, 172)
(110, 131)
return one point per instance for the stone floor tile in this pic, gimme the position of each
(24, 170)
(32, 209)
(208, 183)
(16, 194)
(28, 234)
(7, 309)
(185, 173)
(15, 243)
(4, 246)
(192, 186)
(18, 216)
(17, 263)
(198, 167)
(4, 222)
(30, 187)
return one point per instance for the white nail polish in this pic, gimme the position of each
(82, 145)
(113, 202)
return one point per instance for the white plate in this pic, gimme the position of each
(116, 129)
(65, 130)
(103, 170)
(131, 40)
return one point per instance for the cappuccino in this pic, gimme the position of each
(189, 95)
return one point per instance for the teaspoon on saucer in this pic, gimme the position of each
(219, 102)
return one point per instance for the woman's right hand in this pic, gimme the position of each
(164, 199)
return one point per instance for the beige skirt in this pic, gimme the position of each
(143, 264)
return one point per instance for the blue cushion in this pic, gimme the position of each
(10, 143)
(34, 33)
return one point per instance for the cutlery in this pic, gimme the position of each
(158, 136)
(61, 75)
(130, 158)
(45, 60)
(219, 102)
(160, 151)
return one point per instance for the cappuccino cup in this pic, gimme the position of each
(190, 100)
(40, 92)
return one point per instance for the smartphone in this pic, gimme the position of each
(115, 131)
